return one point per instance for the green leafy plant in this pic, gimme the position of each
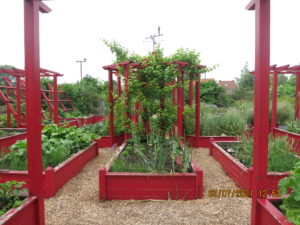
(58, 144)
(291, 201)
(12, 195)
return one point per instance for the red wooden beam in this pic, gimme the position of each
(297, 113)
(44, 8)
(251, 5)
(261, 102)
(111, 102)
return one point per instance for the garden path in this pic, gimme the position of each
(77, 202)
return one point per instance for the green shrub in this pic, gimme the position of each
(284, 112)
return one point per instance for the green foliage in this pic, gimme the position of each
(281, 157)
(291, 202)
(58, 144)
(3, 121)
(158, 154)
(86, 94)
(12, 195)
(284, 112)
(293, 126)
(288, 88)
(245, 85)
(212, 93)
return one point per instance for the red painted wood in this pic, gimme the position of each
(111, 103)
(107, 141)
(55, 102)
(55, 178)
(292, 137)
(240, 174)
(197, 106)
(26, 214)
(121, 185)
(268, 214)
(205, 141)
(6, 142)
(297, 113)
(274, 100)
(191, 87)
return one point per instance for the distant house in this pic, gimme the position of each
(229, 86)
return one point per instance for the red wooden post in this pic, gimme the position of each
(111, 102)
(191, 87)
(127, 116)
(33, 101)
(55, 95)
(297, 114)
(261, 103)
(18, 99)
(119, 84)
(180, 102)
(274, 100)
(8, 119)
(197, 111)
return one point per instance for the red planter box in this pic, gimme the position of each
(108, 141)
(204, 141)
(293, 137)
(124, 186)
(5, 142)
(55, 178)
(269, 214)
(240, 174)
(26, 214)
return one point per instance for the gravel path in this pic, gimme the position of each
(77, 202)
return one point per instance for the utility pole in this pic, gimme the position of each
(81, 61)
(152, 37)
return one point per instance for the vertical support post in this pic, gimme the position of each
(18, 99)
(261, 103)
(197, 111)
(297, 113)
(191, 87)
(55, 95)
(127, 116)
(274, 100)
(180, 102)
(111, 102)
(33, 103)
(119, 85)
(174, 103)
(8, 119)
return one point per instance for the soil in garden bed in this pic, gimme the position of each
(77, 202)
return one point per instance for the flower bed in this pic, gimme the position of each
(124, 185)
(293, 137)
(269, 214)
(24, 214)
(55, 178)
(241, 174)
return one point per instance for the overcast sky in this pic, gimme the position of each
(221, 30)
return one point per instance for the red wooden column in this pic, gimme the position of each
(33, 101)
(18, 98)
(180, 102)
(197, 111)
(274, 100)
(111, 102)
(119, 84)
(297, 114)
(55, 102)
(8, 119)
(261, 102)
(191, 87)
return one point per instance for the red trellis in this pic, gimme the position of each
(177, 100)
(51, 96)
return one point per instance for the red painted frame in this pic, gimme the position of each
(292, 137)
(242, 175)
(269, 214)
(205, 141)
(55, 178)
(26, 214)
(124, 186)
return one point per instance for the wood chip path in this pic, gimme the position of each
(77, 202)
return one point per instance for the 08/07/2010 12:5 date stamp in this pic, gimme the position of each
(241, 193)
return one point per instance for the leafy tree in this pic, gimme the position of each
(245, 85)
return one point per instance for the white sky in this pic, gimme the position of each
(221, 30)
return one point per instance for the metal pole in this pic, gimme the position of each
(261, 104)
(33, 103)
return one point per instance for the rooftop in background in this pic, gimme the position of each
(206, 80)
(229, 86)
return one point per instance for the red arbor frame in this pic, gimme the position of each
(51, 96)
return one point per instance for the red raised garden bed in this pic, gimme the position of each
(204, 141)
(57, 177)
(269, 214)
(5, 142)
(293, 137)
(242, 175)
(107, 141)
(26, 214)
(124, 186)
